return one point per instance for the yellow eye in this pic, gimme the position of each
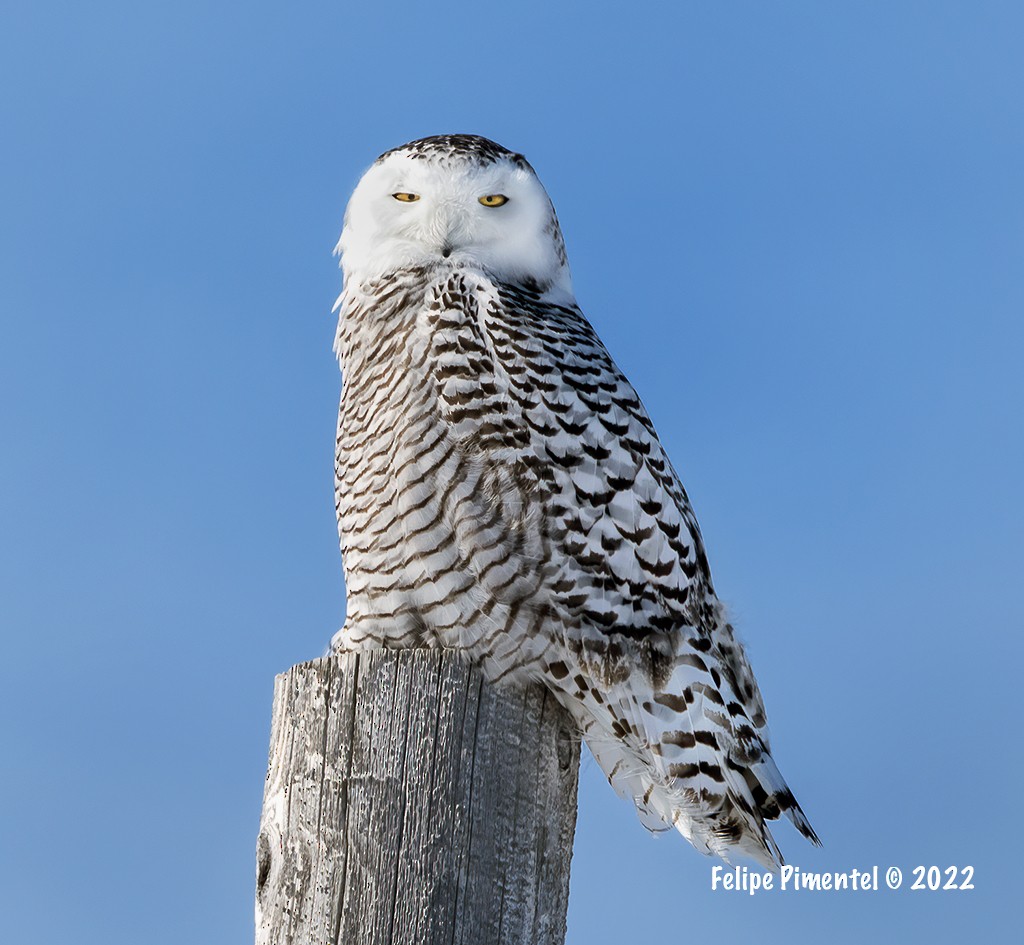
(494, 200)
(406, 198)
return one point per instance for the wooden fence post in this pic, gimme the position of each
(409, 802)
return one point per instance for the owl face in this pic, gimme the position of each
(440, 205)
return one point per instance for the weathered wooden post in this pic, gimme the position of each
(409, 802)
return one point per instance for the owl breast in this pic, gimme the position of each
(499, 485)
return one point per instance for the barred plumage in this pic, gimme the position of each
(501, 489)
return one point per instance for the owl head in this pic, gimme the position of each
(454, 201)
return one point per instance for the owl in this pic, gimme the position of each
(501, 490)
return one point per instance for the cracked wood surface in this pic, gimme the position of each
(409, 802)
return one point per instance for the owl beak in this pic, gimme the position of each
(447, 229)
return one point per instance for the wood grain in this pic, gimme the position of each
(408, 801)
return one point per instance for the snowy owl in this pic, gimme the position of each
(500, 489)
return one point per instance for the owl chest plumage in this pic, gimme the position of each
(498, 481)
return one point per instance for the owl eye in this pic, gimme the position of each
(406, 198)
(494, 200)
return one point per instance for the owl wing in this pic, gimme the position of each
(528, 385)
(637, 562)
(688, 706)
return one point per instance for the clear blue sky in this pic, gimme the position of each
(799, 227)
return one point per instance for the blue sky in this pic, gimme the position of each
(797, 226)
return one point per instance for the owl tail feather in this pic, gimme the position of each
(723, 803)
